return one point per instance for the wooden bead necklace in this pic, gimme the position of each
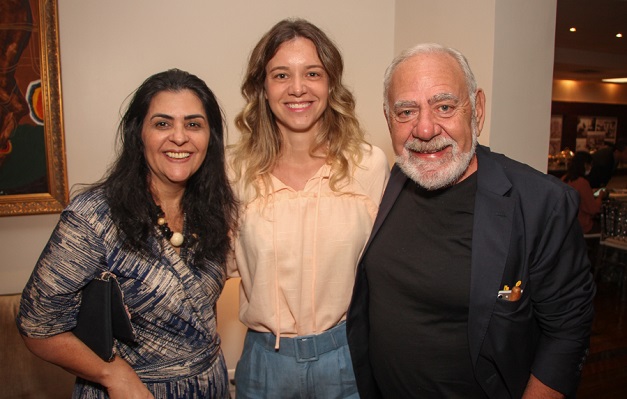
(176, 239)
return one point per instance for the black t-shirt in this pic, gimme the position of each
(418, 270)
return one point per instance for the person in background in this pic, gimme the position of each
(160, 222)
(589, 205)
(475, 281)
(309, 187)
(605, 161)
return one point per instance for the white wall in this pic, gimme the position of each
(521, 106)
(109, 48)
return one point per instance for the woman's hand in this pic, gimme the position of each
(67, 351)
(123, 382)
(604, 194)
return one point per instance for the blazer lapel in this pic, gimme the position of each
(491, 236)
(490, 245)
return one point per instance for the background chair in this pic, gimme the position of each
(611, 258)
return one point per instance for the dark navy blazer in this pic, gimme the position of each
(525, 228)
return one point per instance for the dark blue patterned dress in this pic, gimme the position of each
(172, 303)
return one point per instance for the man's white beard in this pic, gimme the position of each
(439, 173)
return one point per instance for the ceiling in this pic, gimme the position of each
(592, 52)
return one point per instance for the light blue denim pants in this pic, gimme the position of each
(312, 366)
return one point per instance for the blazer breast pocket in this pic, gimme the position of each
(506, 311)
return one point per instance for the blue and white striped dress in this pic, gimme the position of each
(172, 303)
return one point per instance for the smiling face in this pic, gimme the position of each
(434, 133)
(175, 133)
(297, 87)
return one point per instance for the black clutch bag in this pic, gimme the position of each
(103, 317)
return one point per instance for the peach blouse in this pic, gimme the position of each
(296, 251)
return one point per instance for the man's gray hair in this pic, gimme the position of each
(430, 48)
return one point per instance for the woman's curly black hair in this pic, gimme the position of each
(208, 202)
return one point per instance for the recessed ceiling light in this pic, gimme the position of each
(619, 35)
(573, 29)
(615, 80)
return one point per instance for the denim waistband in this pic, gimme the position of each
(305, 348)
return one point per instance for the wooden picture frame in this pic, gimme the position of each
(55, 197)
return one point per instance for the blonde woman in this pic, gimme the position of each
(309, 187)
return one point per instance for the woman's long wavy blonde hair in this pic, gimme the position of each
(259, 147)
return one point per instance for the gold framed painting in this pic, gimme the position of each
(33, 173)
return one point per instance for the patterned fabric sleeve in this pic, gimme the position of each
(73, 256)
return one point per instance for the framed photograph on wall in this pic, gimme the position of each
(592, 133)
(607, 125)
(555, 142)
(33, 172)
(584, 124)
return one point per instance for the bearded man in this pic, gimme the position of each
(475, 282)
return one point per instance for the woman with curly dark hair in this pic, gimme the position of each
(159, 223)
